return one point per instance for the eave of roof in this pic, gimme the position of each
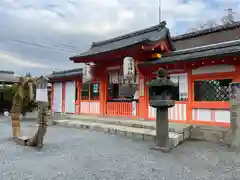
(66, 73)
(207, 31)
(220, 49)
(129, 35)
(8, 77)
(45, 77)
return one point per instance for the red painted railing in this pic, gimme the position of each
(119, 108)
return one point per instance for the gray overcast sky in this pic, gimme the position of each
(79, 22)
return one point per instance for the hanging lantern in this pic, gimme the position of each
(128, 68)
(87, 74)
(156, 56)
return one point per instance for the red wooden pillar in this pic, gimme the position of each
(142, 111)
(63, 96)
(143, 95)
(190, 95)
(77, 102)
(103, 93)
(79, 96)
(52, 97)
(146, 96)
(236, 74)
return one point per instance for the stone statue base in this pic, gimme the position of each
(21, 140)
(163, 149)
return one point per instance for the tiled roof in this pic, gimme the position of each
(220, 49)
(207, 31)
(66, 73)
(222, 33)
(8, 77)
(151, 34)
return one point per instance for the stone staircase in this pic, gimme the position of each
(143, 129)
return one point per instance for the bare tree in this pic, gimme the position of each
(211, 23)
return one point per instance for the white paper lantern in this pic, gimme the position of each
(128, 68)
(87, 74)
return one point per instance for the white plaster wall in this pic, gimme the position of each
(90, 107)
(178, 112)
(211, 115)
(84, 107)
(57, 97)
(94, 107)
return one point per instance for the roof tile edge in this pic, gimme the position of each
(207, 31)
(135, 33)
(67, 71)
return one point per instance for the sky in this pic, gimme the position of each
(39, 36)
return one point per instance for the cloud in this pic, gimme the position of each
(15, 63)
(77, 23)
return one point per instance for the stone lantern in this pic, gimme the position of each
(234, 134)
(159, 90)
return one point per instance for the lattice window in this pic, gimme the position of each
(212, 90)
(174, 93)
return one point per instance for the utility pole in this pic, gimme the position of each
(160, 11)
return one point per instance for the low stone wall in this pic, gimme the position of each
(210, 133)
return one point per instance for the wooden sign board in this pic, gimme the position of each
(141, 87)
(42, 95)
(42, 90)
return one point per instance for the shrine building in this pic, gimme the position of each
(202, 64)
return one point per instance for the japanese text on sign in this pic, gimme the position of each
(128, 68)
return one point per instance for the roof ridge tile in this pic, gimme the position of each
(135, 33)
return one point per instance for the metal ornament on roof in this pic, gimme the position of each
(87, 74)
(128, 68)
(41, 89)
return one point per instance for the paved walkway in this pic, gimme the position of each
(75, 154)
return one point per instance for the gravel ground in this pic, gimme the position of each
(74, 154)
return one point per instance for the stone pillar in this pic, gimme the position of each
(235, 124)
(162, 128)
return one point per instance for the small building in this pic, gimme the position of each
(65, 93)
(202, 64)
(6, 78)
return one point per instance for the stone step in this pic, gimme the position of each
(146, 134)
(146, 124)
